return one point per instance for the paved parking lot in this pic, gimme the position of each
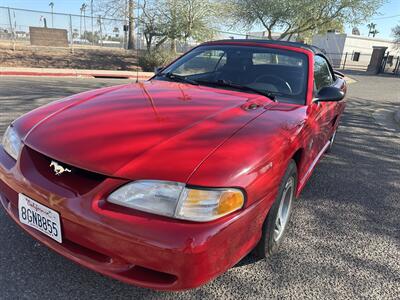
(344, 240)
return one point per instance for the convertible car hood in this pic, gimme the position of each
(147, 130)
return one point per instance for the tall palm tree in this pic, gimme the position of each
(51, 4)
(83, 11)
(372, 29)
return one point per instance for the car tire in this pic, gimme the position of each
(279, 213)
(332, 141)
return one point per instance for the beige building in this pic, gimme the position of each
(354, 50)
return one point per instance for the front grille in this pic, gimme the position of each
(36, 168)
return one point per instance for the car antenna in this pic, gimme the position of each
(137, 41)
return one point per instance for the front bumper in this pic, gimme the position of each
(137, 248)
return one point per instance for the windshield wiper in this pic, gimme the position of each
(180, 78)
(226, 83)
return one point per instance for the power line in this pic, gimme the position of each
(388, 17)
(56, 13)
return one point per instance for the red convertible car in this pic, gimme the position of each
(168, 183)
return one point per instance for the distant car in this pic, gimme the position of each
(168, 183)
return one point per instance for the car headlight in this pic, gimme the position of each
(11, 142)
(175, 200)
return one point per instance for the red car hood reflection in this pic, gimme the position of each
(138, 131)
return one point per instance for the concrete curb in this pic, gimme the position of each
(349, 80)
(74, 73)
(77, 73)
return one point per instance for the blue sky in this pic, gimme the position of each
(64, 6)
(384, 20)
(387, 17)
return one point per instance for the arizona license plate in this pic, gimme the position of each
(39, 217)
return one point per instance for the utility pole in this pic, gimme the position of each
(131, 26)
(11, 28)
(91, 16)
(72, 34)
(101, 31)
(84, 18)
(80, 24)
(51, 4)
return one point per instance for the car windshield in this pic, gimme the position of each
(280, 74)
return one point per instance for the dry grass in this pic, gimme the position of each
(80, 57)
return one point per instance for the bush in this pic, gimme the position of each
(153, 59)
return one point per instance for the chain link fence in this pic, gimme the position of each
(83, 30)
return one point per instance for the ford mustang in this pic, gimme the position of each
(168, 183)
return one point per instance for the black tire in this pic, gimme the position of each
(268, 244)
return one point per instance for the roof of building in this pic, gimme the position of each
(314, 49)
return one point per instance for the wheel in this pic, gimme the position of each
(275, 224)
(331, 141)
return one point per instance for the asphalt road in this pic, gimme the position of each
(343, 241)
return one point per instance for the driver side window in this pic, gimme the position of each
(322, 73)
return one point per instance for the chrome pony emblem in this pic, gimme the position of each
(58, 169)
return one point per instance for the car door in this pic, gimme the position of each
(323, 112)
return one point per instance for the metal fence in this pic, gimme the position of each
(391, 64)
(350, 60)
(83, 30)
(359, 61)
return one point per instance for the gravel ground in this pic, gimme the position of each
(343, 241)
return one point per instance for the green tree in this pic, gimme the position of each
(186, 19)
(396, 34)
(297, 17)
(307, 36)
(177, 20)
(120, 9)
(150, 22)
(91, 37)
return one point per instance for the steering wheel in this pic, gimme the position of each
(276, 80)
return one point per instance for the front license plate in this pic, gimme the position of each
(39, 217)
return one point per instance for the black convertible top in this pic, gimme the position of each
(314, 49)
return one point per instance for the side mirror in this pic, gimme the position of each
(328, 94)
(337, 73)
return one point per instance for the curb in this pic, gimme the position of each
(72, 73)
(77, 73)
(349, 80)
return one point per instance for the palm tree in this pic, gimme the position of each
(84, 6)
(83, 11)
(372, 29)
(51, 4)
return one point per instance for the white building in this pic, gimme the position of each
(353, 50)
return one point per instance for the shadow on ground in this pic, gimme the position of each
(343, 241)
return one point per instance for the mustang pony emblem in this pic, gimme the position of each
(58, 169)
